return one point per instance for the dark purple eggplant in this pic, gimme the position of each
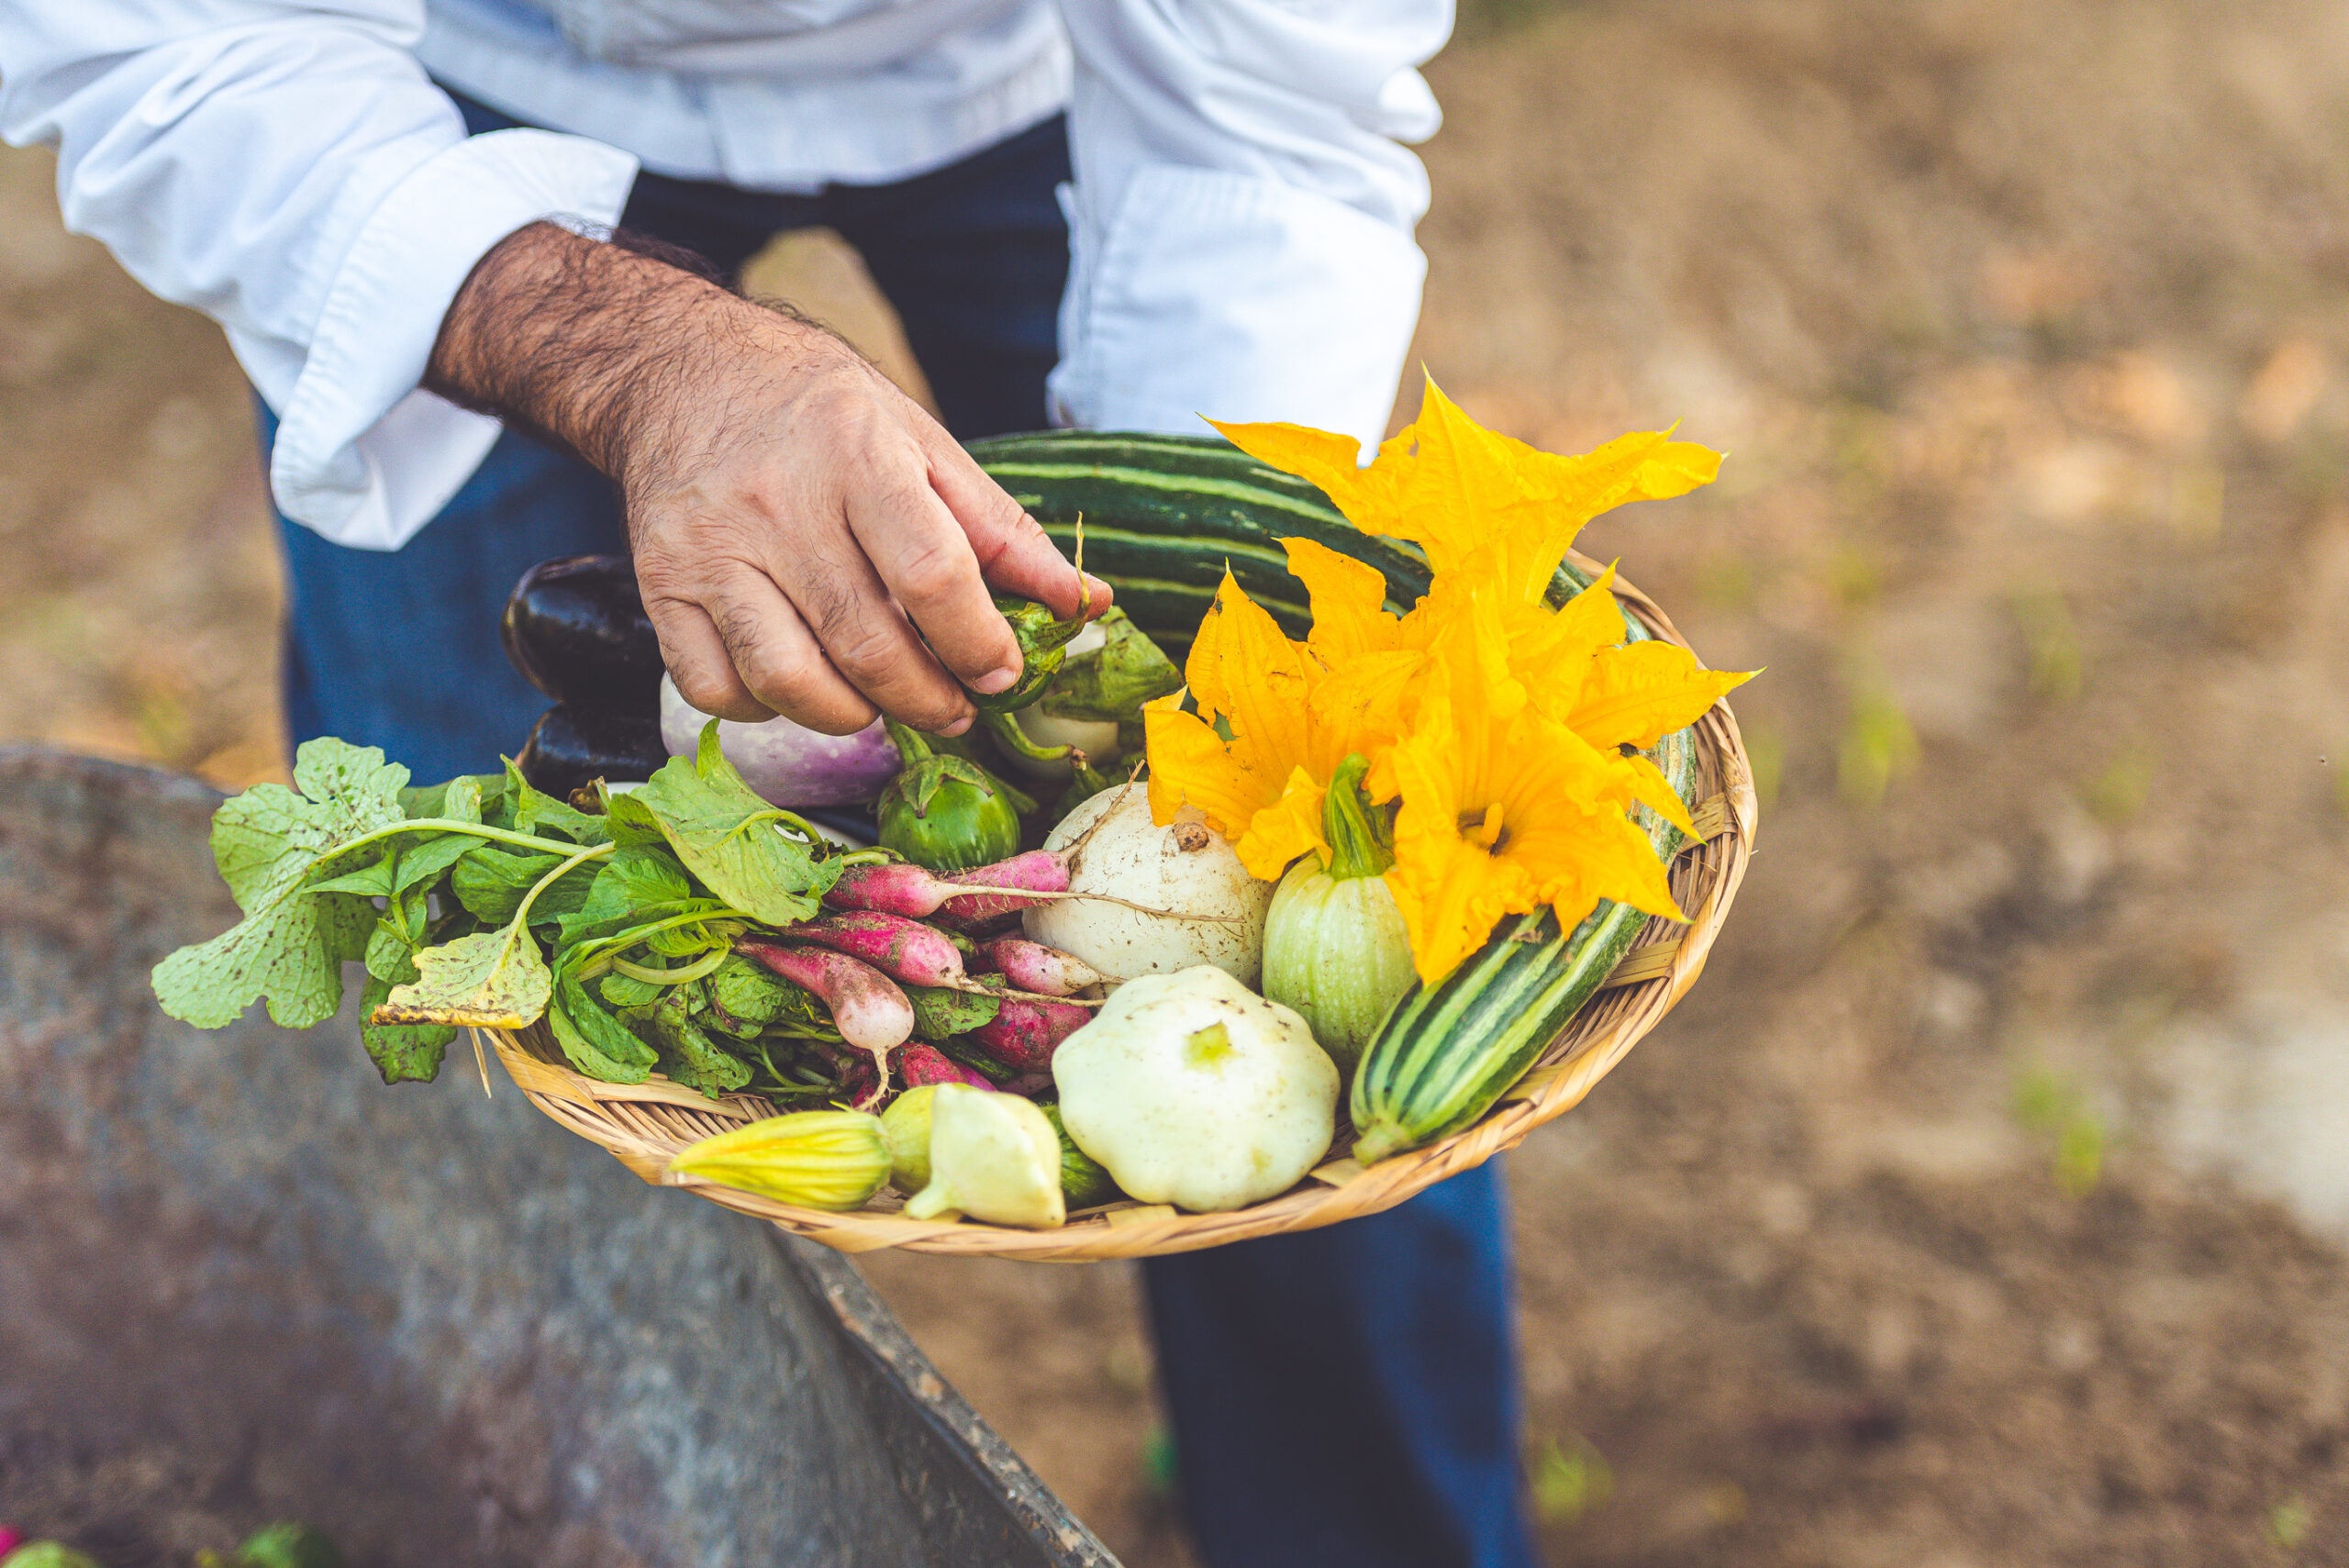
(569, 747)
(575, 626)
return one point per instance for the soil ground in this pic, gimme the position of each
(1985, 1204)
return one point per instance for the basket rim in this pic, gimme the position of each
(643, 1125)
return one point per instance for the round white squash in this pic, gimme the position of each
(1183, 868)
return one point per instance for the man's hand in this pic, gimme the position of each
(799, 524)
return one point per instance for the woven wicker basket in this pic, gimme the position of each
(644, 1125)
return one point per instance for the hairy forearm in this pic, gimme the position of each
(592, 345)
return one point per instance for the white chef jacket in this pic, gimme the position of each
(1240, 219)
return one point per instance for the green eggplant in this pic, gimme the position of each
(1043, 640)
(1110, 684)
(946, 813)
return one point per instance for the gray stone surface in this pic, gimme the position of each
(434, 1324)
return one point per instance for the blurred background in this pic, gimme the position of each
(1985, 1203)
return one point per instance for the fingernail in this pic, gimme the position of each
(996, 681)
(958, 726)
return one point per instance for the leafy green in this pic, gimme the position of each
(753, 997)
(636, 878)
(405, 862)
(680, 941)
(491, 882)
(632, 825)
(705, 923)
(462, 798)
(468, 798)
(595, 1042)
(402, 1053)
(537, 813)
(370, 881)
(489, 980)
(402, 929)
(687, 1055)
(723, 835)
(641, 884)
(422, 864)
(391, 953)
(354, 865)
(290, 948)
(628, 991)
(617, 933)
(940, 1013)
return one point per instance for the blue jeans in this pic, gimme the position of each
(1347, 1396)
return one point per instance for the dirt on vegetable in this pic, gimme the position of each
(1985, 1204)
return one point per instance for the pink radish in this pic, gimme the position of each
(1038, 870)
(904, 950)
(1025, 1032)
(910, 891)
(1039, 876)
(898, 889)
(868, 1009)
(919, 1064)
(1032, 966)
(1015, 885)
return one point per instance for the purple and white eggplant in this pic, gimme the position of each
(788, 763)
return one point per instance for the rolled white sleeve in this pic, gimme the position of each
(1241, 218)
(290, 171)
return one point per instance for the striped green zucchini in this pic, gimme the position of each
(1164, 516)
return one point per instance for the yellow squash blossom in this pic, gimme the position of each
(1568, 661)
(1375, 658)
(1453, 487)
(1348, 598)
(1370, 659)
(1615, 694)
(1553, 655)
(1636, 696)
(1571, 663)
(1498, 725)
(1257, 756)
(1502, 816)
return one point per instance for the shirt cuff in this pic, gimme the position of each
(1239, 297)
(363, 455)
